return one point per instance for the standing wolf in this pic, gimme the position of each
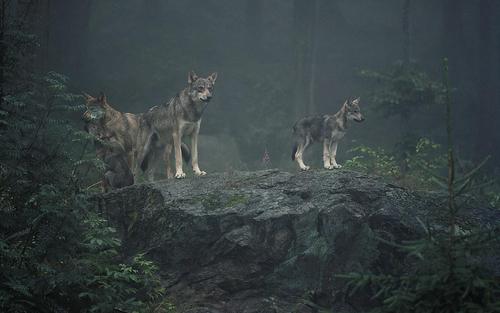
(328, 129)
(180, 116)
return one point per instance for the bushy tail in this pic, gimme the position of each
(148, 152)
(186, 154)
(294, 150)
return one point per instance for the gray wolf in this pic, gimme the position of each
(127, 128)
(110, 151)
(328, 129)
(179, 117)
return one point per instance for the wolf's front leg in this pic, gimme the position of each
(194, 152)
(168, 163)
(179, 173)
(326, 154)
(333, 155)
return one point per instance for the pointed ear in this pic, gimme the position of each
(87, 96)
(102, 98)
(346, 103)
(355, 101)
(192, 77)
(213, 77)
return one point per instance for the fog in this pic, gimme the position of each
(279, 60)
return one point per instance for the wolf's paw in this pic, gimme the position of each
(328, 167)
(200, 173)
(337, 166)
(180, 175)
(305, 168)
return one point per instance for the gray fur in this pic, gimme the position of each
(129, 130)
(328, 129)
(112, 153)
(179, 117)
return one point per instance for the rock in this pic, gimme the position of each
(269, 241)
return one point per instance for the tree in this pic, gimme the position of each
(406, 32)
(253, 21)
(305, 48)
(486, 132)
(68, 41)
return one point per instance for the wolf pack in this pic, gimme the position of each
(131, 145)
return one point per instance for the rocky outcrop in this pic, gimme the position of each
(269, 241)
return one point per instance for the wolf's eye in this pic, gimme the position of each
(200, 88)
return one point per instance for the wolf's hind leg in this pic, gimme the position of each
(300, 151)
(326, 154)
(333, 155)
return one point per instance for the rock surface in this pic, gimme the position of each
(268, 241)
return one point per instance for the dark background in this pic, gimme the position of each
(278, 60)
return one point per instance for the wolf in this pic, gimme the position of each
(111, 152)
(127, 128)
(328, 129)
(180, 116)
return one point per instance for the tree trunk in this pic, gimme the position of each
(314, 30)
(69, 40)
(253, 17)
(454, 45)
(3, 15)
(406, 32)
(303, 25)
(486, 129)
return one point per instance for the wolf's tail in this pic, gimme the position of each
(148, 152)
(186, 154)
(294, 150)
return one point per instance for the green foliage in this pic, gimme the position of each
(404, 89)
(56, 254)
(451, 268)
(417, 167)
(441, 280)
(373, 161)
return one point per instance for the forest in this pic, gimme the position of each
(427, 74)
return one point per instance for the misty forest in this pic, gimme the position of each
(250, 156)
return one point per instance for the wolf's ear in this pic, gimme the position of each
(346, 102)
(355, 101)
(102, 98)
(87, 96)
(213, 77)
(192, 77)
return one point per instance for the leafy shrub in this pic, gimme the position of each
(56, 254)
(403, 89)
(373, 161)
(452, 269)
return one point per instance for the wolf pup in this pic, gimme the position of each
(111, 152)
(178, 117)
(328, 129)
(127, 128)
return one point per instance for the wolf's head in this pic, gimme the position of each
(201, 89)
(96, 107)
(353, 111)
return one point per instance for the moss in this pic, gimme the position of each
(211, 201)
(236, 199)
(214, 201)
